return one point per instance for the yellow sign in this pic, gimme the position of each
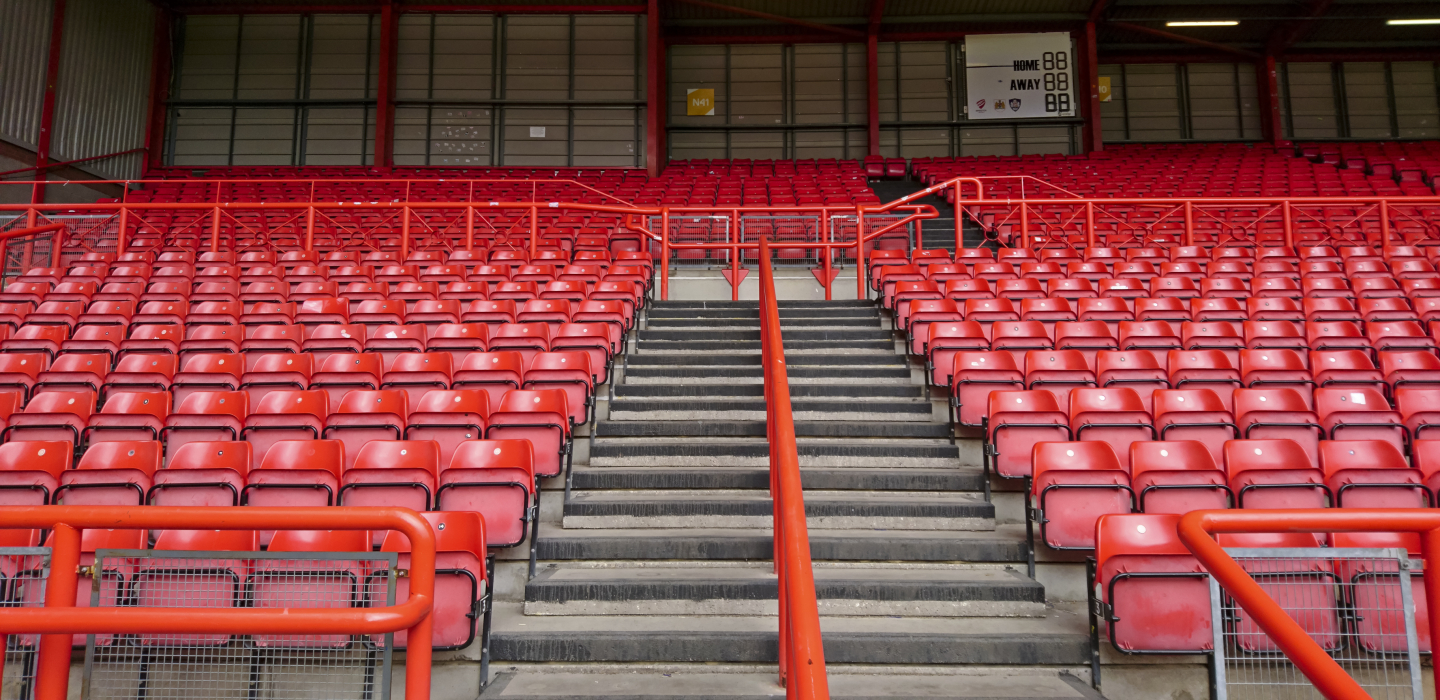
(700, 103)
(1104, 88)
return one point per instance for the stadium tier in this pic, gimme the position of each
(693, 350)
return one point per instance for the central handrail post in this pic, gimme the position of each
(802, 654)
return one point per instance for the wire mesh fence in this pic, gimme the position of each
(220, 664)
(1357, 604)
(25, 571)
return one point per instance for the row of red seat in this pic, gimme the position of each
(1081, 343)
(71, 318)
(539, 413)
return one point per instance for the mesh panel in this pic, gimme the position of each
(219, 664)
(1356, 604)
(24, 252)
(802, 228)
(25, 571)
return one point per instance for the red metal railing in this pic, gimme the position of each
(59, 618)
(1197, 529)
(1068, 220)
(802, 655)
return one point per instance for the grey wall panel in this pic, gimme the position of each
(605, 65)
(886, 65)
(339, 57)
(202, 136)
(521, 148)
(270, 55)
(988, 141)
(207, 59)
(412, 57)
(918, 143)
(1311, 93)
(1416, 108)
(411, 136)
(537, 57)
(756, 144)
(1214, 109)
(335, 136)
(1039, 140)
(459, 136)
(1112, 113)
(1249, 102)
(685, 145)
(24, 48)
(264, 137)
(924, 91)
(825, 144)
(855, 71)
(606, 138)
(1153, 98)
(756, 89)
(464, 57)
(697, 68)
(101, 95)
(819, 85)
(1367, 100)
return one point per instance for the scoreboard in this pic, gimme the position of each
(1019, 76)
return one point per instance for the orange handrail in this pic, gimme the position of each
(802, 655)
(1196, 530)
(59, 618)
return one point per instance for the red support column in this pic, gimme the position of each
(47, 108)
(159, 92)
(654, 91)
(1267, 87)
(1089, 78)
(385, 94)
(872, 93)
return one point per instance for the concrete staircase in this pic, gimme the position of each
(655, 577)
(935, 233)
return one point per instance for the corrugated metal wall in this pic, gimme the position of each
(809, 101)
(1180, 102)
(1417, 106)
(24, 45)
(1369, 100)
(103, 87)
(577, 78)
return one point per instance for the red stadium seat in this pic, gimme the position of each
(1176, 477)
(1154, 593)
(1074, 484)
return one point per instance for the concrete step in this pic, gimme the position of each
(794, 357)
(754, 323)
(752, 590)
(966, 479)
(753, 346)
(756, 428)
(1058, 638)
(744, 683)
(783, 304)
(693, 451)
(896, 510)
(1005, 544)
(628, 391)
(701, 374)
(736, 334)
(815, 409)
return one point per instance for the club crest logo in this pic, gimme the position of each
(1015, 104)
(1000, 104)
